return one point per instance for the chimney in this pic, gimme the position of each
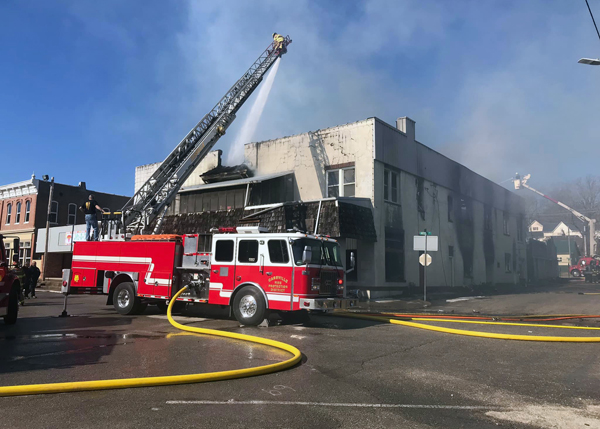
(82, 185)
(407, 126)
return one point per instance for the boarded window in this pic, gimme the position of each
(224, 251)
(72, 213)
(278, 252)
(394, 255)
(248, 251)
(53, 215)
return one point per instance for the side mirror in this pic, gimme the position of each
(306, 255)
(352, 260)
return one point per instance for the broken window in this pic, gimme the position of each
(394, 255)
(505, 223)
(248, 251)
(391, 186)
(341, 182)
(466, 210)
(507, 262)
(278, 252)
(487, 217)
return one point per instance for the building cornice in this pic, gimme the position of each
(19, 189)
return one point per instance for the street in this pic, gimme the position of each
(354, 373)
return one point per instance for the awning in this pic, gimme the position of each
(232, 183)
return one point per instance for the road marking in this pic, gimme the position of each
(339, 404)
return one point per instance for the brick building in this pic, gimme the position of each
(23, 211)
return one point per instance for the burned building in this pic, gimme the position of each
(372, 186)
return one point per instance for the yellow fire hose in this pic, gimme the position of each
(481, 334)
(78, 386)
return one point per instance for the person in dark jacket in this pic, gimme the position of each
(26, 280)
(91, 220)
(34, 275)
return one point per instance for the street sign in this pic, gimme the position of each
(424, 262)
(425, 233)
(419, 243)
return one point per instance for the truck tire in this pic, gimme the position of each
(576, 273)
(124, 299)
(13, 306)
(249, 306)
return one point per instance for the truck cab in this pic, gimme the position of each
(9, 285)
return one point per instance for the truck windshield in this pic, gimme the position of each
(323, 252)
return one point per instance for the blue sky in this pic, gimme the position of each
(89, 89)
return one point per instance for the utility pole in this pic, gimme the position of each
(569, 261)
(50, 196)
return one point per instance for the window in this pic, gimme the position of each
(18, 213)
(224, 251)
(25, 253)
(248, 251)
(394, 255)
(451, 252)
(278, 252)
(450, 208)
(8, 212)
(466, 210)
(72, 214)
(27, 210)
(341, 182)
(519, 229)
(507, 262)
(391, 181)
(487, 218)
(505, 223)
(53, 215)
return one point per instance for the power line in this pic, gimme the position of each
(593, 20)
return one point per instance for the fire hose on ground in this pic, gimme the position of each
(79, 386)
(404, 319)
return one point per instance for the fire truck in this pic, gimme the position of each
(9, 285)
(247, 268)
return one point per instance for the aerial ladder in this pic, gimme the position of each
(521, 182)
(151, 201)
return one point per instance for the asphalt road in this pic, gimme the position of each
(354, 373)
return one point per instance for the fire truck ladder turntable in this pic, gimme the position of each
(152, 200)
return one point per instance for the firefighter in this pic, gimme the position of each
(277, 41)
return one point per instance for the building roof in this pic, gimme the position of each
(237, 182)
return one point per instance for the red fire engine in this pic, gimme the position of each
(9, 286)
(246, 268)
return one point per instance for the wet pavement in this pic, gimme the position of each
(354, 373)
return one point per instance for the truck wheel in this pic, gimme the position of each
(576, 273)
(13, 307)
(249, 307)
(124, 299)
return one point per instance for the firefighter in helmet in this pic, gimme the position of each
(277, 41)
